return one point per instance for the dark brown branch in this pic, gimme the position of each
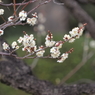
(80, 14)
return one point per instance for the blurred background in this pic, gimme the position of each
(54, 17)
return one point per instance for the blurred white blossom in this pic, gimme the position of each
(32, 21)
(41, 18)
(92, 44)
(1, 11)
(40, 52)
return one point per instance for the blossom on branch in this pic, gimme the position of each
(63, 57)
(54, 52)
(1, 11)
(22, 15)
(28, 42)
(59, 44)
(5, 46)
(66, 37)
(40, 52)
(76, 32)
(14, 45)
(32, 21)
(49, 40)
(10, 18)
(1, 32)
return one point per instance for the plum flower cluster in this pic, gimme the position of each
(31, 21)
(28, 44)
(74, 34)
(23, 16)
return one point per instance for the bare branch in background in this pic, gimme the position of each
(80, 14)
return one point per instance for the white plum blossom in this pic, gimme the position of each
(92, 44)
(63, 57)
(20, 40)
(76, 32)
(40, 52)
(54, 52)
(49, 43)
(1, 32)
(66, 37)
(10, 18)
(14, 45)
(59, 45)
(29, 21)
(1, 11)
(5, 46)
(71, 40)
(32, 21)
(22, 15)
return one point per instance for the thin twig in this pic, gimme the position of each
(3, 18)
(14, 7)
(17, 4)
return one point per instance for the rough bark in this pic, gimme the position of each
(16, 73)
(80, 14)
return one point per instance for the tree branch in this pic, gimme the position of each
(16, 73)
